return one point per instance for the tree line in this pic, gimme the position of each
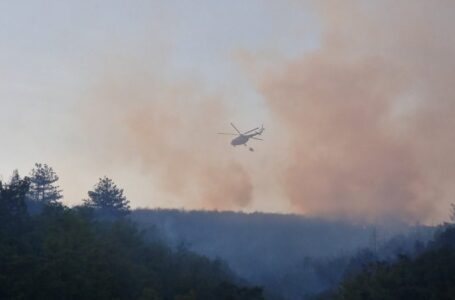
(94, 250)
(425, 274)
(105, 197)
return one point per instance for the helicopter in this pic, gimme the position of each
(243, 138)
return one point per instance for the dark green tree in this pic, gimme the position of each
(42, 185)
(108, 198)
(12, 198)
(15, 178)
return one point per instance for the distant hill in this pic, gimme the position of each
(285, 253)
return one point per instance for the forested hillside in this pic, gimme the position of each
(429, 274)
(102, 249)
(94, 252)
(292, 256)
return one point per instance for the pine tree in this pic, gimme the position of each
(15, 178)
(12, 200)
(43, 188)
(108, 198)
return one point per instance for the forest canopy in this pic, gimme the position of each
(70, 253)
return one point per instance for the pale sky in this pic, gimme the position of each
(52, 51)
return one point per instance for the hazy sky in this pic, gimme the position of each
(54, 52)
(136, 90)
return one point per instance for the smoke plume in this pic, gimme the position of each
(367, 120)
(168, 129)
(370, 112)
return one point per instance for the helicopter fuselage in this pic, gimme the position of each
(240, 140)
(243, 138)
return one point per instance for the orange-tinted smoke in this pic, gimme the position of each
(168, 129)
(371, 112)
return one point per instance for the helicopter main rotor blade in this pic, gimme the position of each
(227, 133)
(251, 130)
(255, 138)
(236, 129)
